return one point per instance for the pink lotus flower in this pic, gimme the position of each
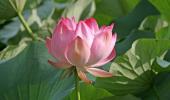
(82, 45)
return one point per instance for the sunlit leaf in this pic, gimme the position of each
(161, 65)
(132, 71)
(163, 33)
(13, 50)
(89, 92)
(76, 8)
(163, 6)
(123, 46)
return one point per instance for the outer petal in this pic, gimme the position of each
(111, 46)
(85, 32)
(60, 39)
(102, 46)
(106, 60)
(107, 28)
(69, 23)
(83, 77)
(98, 72)
(78, 52)
(60, 64)
(91, 22)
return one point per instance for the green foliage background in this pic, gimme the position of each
(141, 69)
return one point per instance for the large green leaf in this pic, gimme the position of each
(17, 5)
(107, 10)
(89, 92)
(28, 76)
(76, 8)
(161, 65)
(45, 9)
(125, 25)
(150, 23)
(12, 50)
(163, 6)
(160, 89)
(30, 4)
(4, 7)
(123, 46)
(9, 30)
(163, 33)
(124, 97)
(61, 1)
(132, 71)
(89, 10)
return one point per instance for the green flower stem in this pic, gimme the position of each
(26, 26)
(22, 20)
(77, 85)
